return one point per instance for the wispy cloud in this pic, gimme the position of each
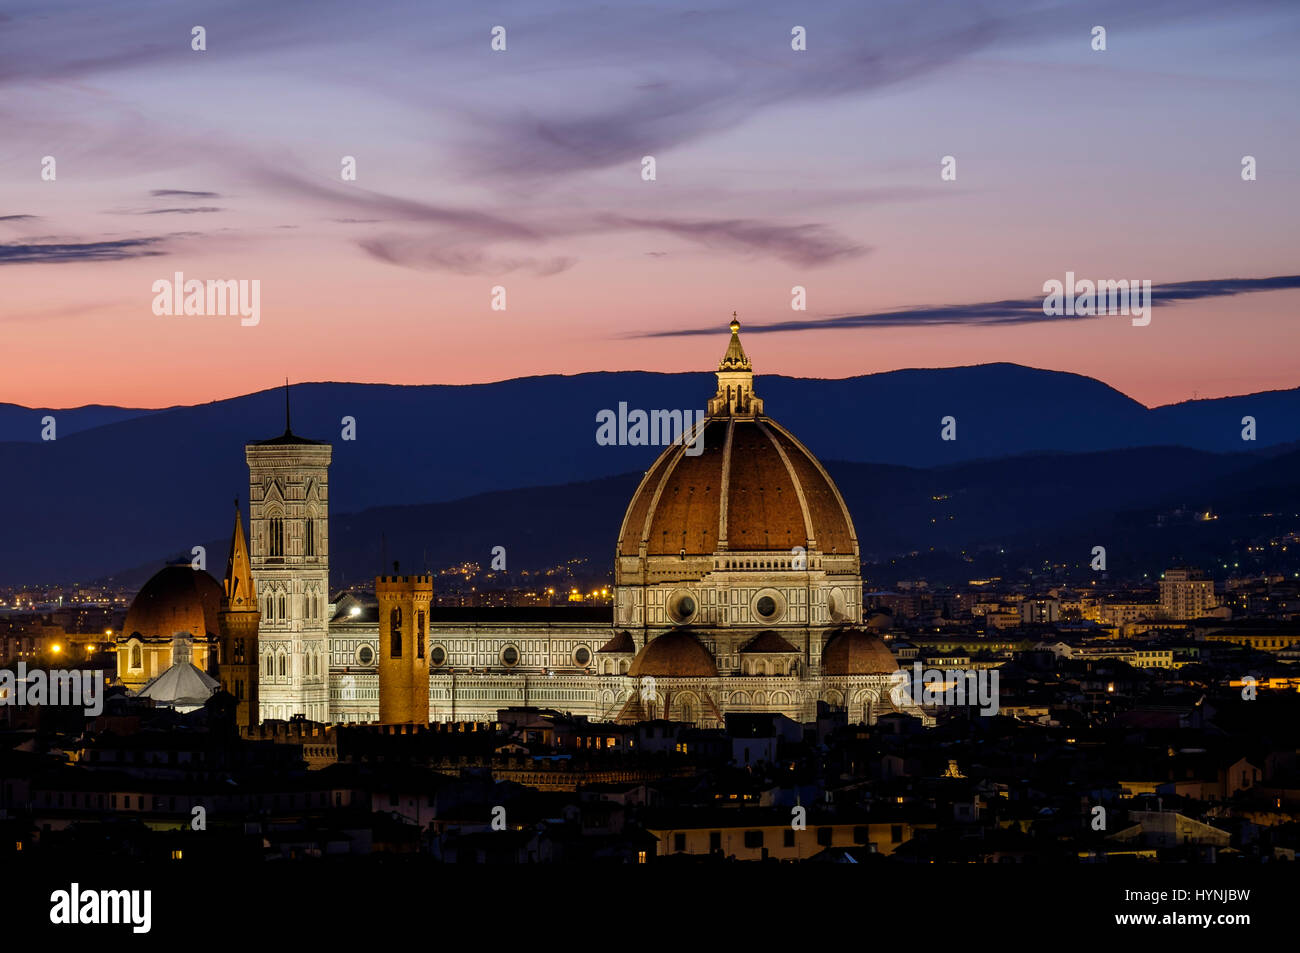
(16, 254)
(809, 244)
(183, 193)
(75, 310)
(17, 218)
(706, 71)
(463, 239)
(997, 313)
(178, 211)
(483, 225)
(434, 255)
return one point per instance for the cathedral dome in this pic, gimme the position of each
(857, 652)
(676, 654)
(176, 599)
(745, 485)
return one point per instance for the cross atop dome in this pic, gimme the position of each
(735, 359)
(735, 394)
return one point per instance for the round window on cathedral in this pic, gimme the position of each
(682, 607)
(836, 605)
(768, 605)
(365, 655)
(437, 655)
(509, 656)
(582, 656)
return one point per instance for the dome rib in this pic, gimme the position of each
(725, 492)
(824, 513)
(763, 513)
(642, 509)
(810, 536)
(682, 513)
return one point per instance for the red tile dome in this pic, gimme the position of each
(857, 652)
(676, 654)
(774, 496)
(175, 599)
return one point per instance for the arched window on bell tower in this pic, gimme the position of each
(275, 536)
(311, 536)
(395, 633)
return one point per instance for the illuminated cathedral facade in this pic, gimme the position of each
(737, 589)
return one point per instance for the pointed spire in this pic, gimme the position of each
(735, 394)
(240, 593)
(288, 431)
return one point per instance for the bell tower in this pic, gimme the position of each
(288, 501)
(238, 621)
(403, 648)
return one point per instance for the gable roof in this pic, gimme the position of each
(768, 641)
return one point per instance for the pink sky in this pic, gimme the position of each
(775, 169)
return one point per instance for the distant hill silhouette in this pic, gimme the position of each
(119, 487)
(1002, 514)
(23, 424)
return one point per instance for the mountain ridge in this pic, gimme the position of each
(121, 492)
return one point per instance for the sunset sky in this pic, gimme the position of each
(522, 169)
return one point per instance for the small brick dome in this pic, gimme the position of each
(176, 599)
(676, 654)
(857, 652)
